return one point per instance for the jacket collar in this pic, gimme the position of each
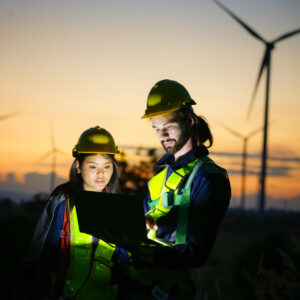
(168, 159)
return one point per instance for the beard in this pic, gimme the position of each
(183, 138)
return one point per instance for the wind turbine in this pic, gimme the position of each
(266, 65)
(54, 151)
(7, 116)
(245, 139)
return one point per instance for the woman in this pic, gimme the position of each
(71, 264)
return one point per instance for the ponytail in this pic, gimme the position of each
(196, 126)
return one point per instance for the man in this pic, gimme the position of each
(187, 198)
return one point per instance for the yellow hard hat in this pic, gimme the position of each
(165, 97)
(95, 140)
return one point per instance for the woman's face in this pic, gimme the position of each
(96, 171)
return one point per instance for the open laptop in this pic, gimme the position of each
(118, 214)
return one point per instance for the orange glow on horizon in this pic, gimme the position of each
(84, 65)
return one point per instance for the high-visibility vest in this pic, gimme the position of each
(164, 194)
(89, 270)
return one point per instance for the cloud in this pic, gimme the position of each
(294, 159)
(33, 183)
(251, 202)
(278, 158)
(281, 171)
(278, 171)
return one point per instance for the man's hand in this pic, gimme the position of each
(150, 223)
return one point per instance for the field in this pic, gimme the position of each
(251, 259)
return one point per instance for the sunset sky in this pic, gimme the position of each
(77, 64)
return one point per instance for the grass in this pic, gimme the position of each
(251, 258)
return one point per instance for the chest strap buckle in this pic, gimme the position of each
(65, 234)
(167, 200)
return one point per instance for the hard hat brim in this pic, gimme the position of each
(158, 113)
(164, 112)
(75, 153)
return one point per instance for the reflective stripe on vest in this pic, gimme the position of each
(89, 273)
(164, 195)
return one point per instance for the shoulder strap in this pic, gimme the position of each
(63, 254)
(183, 201)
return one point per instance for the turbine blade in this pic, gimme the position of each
(286, 35)
(255, 132)
(43, 157)
(258, 130)
(62, 152)
(232, 131)
(250, 30)
(3, 117)
(54, 162)
(263, 65)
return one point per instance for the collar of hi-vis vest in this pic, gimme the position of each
(164, 191)
(86, 258)
(184, 160)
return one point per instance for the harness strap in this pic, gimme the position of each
(167, 197)
(183, 202)
(63, 254)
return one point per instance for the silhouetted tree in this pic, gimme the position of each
(134, 178)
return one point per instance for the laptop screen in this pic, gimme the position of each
(118, 214)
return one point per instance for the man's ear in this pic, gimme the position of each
(77, 167)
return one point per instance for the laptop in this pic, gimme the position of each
(118, 214)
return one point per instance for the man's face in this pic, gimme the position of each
(170, 133)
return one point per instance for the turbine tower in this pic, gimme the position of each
(245, 139)
(266, 65)
(54, 151)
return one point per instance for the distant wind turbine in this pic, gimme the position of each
(245, 139)
(52, 152)
(7, 116)
(266, 65)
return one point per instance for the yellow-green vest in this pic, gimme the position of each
(164, 195)
(89, 271)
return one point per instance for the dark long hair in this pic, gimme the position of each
(76, 180)
(196, 126)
